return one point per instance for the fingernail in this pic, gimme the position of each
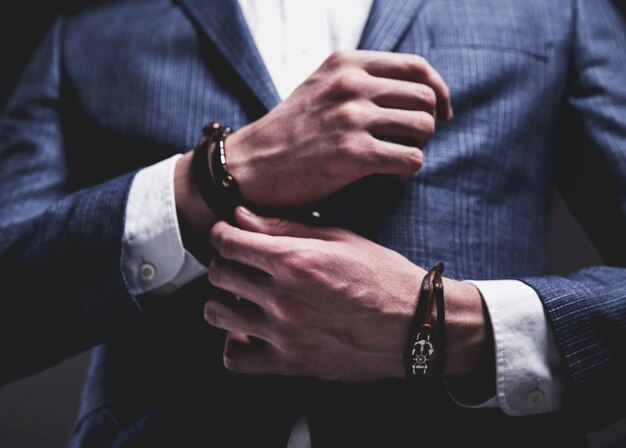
(246, 211)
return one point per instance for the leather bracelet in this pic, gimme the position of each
(424, 353)
(216, 185)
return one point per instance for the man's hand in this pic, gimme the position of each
(326, 303)
(329, 132)
(333, 130)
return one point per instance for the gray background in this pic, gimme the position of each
(38, 412)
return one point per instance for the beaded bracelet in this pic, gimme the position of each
(216, 185)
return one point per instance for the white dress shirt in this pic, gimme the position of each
(294, 37)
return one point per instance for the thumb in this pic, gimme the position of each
(282, 227)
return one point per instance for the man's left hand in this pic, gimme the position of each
(325, 302)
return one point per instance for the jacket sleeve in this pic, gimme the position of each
(587, 309)
(62, 286)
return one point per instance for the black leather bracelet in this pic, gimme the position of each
(216, 185)
(424, 353)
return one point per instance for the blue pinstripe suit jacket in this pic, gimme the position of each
(538, 86)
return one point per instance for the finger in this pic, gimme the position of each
(246, 342)
(249, 248)
(239, 316)
(409, 67)
(399, 94)
(238, 338)
(394, 158)
(243, 357)
(417, 127)
(240, 280)
(284, 227)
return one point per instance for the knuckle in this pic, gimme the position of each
(426, 123)
(289, 320)
(225, 245)
(295, 262)
(348, 158)
(300, 265)
(345, 83)
(338, 58)
(217, 236)
(348, 115)
(279, 225)
(345, 150)
(214, 273)
(415, 160)
(310, 266)
(274, 311)
(428, 95)
(210, 313)
(418, 63)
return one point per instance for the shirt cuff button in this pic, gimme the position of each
(166, 289)
(535, 398)
(147, 271)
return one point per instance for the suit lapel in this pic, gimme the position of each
(223, 22)
(388, 22)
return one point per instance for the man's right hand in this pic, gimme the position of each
(335, 128)
(330, 131)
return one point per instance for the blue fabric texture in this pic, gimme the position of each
(125, 84)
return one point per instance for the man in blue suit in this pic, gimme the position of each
(106, 238)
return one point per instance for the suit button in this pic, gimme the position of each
(535, 398)
(166, 289)
(147, 271)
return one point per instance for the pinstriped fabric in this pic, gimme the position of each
(494, 229)
(60, 250)
(143, 79)
(387, 22)
(588, 309)
(237, 44)
(129, 83)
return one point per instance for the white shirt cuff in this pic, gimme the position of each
(300, 436)
(154, 258)
(529, 376)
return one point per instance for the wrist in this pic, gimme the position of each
(469, 346)
(469, 340)
(403, 319)
(195, 218)
(238, 156)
